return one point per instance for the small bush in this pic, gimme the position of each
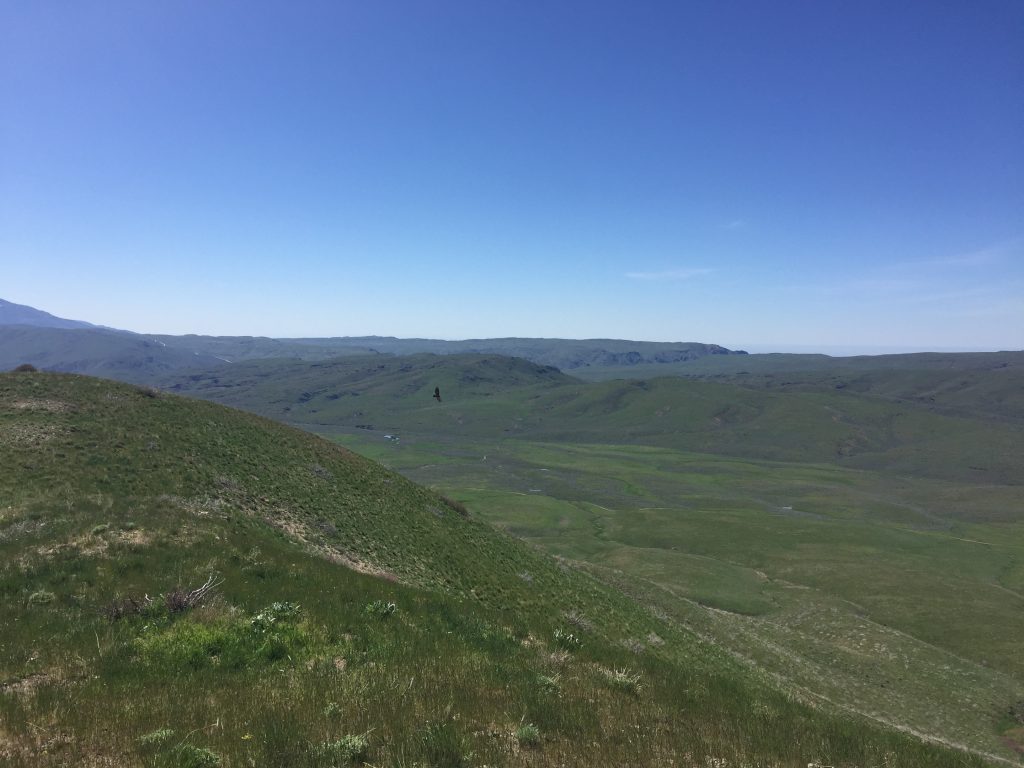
(26, 368)
(332, 709)
(442, 744)
(550, 684)
(156, 738)
(99, 530)
(456, 506)
(528, 735)
(567, 641)
(623, 680)
(380, 609)
(148, 392)
(120, 608)
(42, 597)
(188, 756)
(273, 614)
(353, 748)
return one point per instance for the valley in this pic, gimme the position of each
(846, 534)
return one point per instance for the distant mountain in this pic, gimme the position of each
(566, 354)
(20, 314)
(95, 351)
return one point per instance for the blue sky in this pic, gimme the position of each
(787, 175)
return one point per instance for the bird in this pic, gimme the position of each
(437, 394)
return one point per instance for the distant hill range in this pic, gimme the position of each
(20, 314)
(29, 335)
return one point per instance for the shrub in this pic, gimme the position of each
(42, 597)
(352, 748)
(188, 756)
(26, 368)
(273, 614)
(156, 738)
(567, 641)
(549, 684)
(380, 609)
(442, 744)
(528, 735)
(99, 530)
(456, 506)
(332, 709)
(623, 680)
(120, 608)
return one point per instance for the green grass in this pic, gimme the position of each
(870, 591)
(117, 495)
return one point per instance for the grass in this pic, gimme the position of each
(283, 664)
(855, 587)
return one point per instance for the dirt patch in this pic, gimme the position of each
(28, 435)
(1014, 739)
(25, 686)
(199, 507)
(135, 537)
(49, 406)
(301, 533)
(86, 545)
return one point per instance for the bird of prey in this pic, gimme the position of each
(437, 394)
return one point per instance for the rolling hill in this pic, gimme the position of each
(208, 587)
(491, 398)
(96, 352)
(561, 353)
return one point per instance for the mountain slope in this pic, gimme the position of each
(566, 354)
(94, 351)
(21, 314)
(468, 647)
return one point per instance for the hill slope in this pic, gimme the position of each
(489, 398)
(96, 352)
(21, 314)
(355, 616)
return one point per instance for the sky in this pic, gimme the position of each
(771, 176)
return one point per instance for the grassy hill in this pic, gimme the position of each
(794, 527)
(352, 615)
(986, 384)
(491, 398)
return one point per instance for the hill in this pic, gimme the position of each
(96, 352)
(566, 354)
(21, 314)
(517, 399)
(561, 353)
(208, 587)
(987, 384)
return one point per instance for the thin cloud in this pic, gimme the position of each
(668, 275)
(994, 254)
(736, 224)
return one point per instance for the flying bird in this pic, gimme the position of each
(437, 394)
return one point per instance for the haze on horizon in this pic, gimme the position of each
(804, 176)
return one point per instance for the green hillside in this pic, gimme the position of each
(489, 398)
(795, 527)
(987, 384)
(352, 616)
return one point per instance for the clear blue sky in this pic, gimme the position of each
(763, 175)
